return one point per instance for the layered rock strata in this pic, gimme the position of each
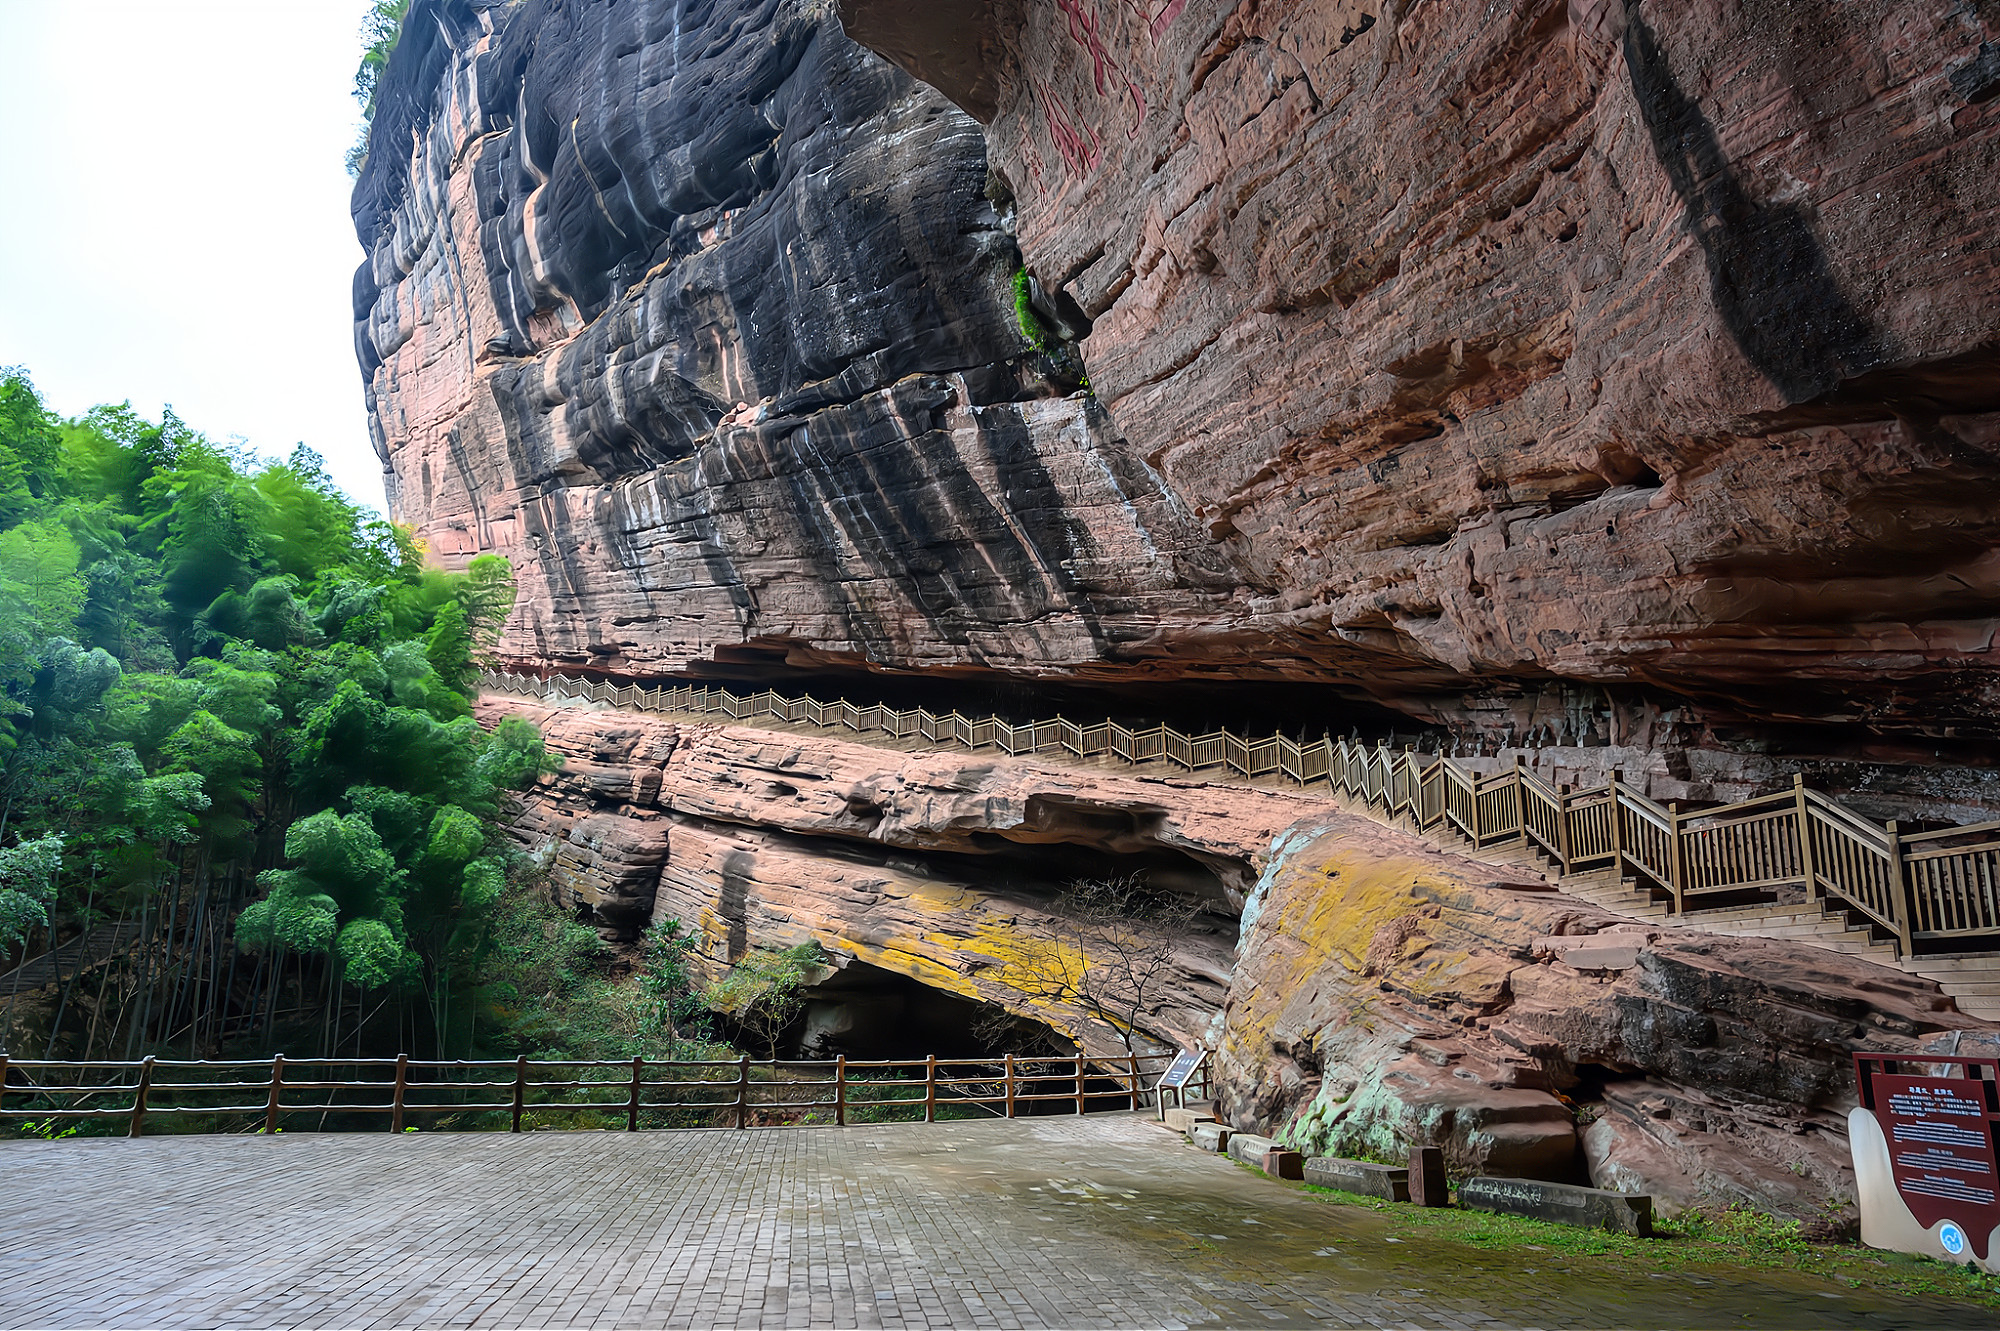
(1517, 353)
(701, 317)
(938, 867)
(1598, 374)
(1362, 990)
(1388, 995)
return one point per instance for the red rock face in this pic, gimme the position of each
(1388, 996)
(1616, 375)
(937, 867)
(1642, 345)
(1362, 990)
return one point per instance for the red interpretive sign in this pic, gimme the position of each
(1940, 1132)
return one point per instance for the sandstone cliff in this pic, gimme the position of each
(937, 867)
(1644, 344)
(701, 317)
(1596, 373)
(1618, 377)
(1362, 990)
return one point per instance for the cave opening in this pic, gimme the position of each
(869, 1012)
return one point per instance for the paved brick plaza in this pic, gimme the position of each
(1103, 1222)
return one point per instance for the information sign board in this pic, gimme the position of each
(1940, 1135)
(1182, 1068)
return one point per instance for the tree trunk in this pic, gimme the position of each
(104, 985)
(76, 971)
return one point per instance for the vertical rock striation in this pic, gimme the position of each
(699, 314)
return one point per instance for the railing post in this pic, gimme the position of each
(1079, 1085)
(1520, 800)
(840, 1091)
(1899, 891)
(1617, 834)
(743, 1092)
(520, 1090)
(1813, 892)
(271, 1105)
(1477, 823)
(1676, 858)
(930, 1088)
(1132, 1061)
(1562, 823)
(1010, 1085)
(3, 1079)
(402, 1084)
(145, 1087)
(632, 1101)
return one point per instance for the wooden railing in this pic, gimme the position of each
(628, 1093)
(1935, 888)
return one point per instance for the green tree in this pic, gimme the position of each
(234, 711)
(381, 30)
(765, 991)
(27, 886)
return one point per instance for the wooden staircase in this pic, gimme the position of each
(1971, 979)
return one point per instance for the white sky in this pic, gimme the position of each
(173, 216)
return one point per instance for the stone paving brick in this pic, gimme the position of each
(1103, 1222)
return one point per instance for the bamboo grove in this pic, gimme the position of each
(243, 802)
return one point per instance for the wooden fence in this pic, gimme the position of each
(1937, 888)
(635, 1092)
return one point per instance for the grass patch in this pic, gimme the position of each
(1736, 1238)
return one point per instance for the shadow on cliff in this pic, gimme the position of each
(1767, 271)
(734, 903)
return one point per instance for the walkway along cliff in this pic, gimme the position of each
(1548, 377)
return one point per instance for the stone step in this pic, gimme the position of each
(1636, 907)
(1781, 928)
(1972, 988)
(1986, 1009)
(1989, 975)
(1632, 910)
(1603, 885)
(1854, 945)
(1954, 961)
(1766, 912)
(1515, 855)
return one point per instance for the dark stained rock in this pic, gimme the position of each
(1550, 376)
(1597, 368)
(701, 317)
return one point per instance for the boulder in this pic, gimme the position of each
(1385, 996)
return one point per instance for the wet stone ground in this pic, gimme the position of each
(1107, 1221)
